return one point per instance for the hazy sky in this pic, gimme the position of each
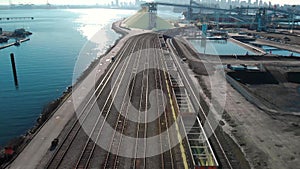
(60, 1)
(294, 2)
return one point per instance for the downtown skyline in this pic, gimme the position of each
(93, 2)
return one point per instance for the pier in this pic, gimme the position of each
(15, 18)
(14, 43)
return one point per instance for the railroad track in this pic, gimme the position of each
(111, 159)
(63, 148)
(218, 148)
(79, 148)
(142, 126)
(98, 128)
(163, 125)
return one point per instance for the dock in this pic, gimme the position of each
(15, 18)
(14, 43)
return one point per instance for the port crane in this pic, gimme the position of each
(260, 19)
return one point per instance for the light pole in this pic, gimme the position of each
(293, 18)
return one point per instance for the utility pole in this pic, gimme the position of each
(13, 65)
(190, 10)
(293, 19)
(152, 9)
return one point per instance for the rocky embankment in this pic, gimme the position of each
(16, 34)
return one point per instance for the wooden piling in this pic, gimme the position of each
(13, 65)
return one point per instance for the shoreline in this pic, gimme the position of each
(20, 142)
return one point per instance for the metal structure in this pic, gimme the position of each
(259, 18)
(200, 150)
(152, 9)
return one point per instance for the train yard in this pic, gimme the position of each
(146, 110)
(149, 101)
(123, 100)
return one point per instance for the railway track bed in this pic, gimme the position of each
(124, 124)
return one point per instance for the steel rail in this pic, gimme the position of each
(75, 132)
(138, 124)
(109, 155)
(91, 144)
(198, 103)
(169, 152)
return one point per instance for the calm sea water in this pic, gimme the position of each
(45, 63)
(278, 51)
(219, 47)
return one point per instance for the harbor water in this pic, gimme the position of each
(280, 52)
(45, 63)
(219, 47)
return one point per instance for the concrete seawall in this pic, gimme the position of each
(197, 55)
(278, 45)
(65, 111)
(52, 107)
(249, 47)
(247, 94)
(116, 26)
